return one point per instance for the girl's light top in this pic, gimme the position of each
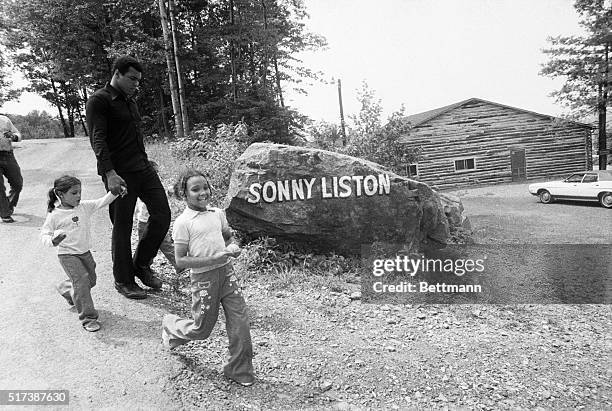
(203, 232)
(142, 214)
(75, 223)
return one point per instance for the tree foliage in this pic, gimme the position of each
(6, 93)
(580, 60)
(368, 137)
(37, 124)
(3, 78)
(237, 56)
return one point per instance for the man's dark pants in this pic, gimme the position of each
(9, 169)
(145, 185)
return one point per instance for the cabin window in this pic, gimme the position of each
(412, 170)
(465, 164)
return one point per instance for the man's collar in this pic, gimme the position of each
(114, 92)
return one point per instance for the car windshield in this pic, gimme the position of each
(574, 178)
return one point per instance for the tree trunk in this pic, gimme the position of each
(278, 83)
(265, 46)
(71, 120)
(232, 55)
(252, 69)
(178, 118)
(164, 119)
(82, 119)
(80, 108)
(69, 107)
(59, 108)
(179, 74)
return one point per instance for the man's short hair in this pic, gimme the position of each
(123, 64)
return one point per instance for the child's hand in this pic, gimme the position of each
(170, 190)
(58, 239)
(123, 191)
(233, 250)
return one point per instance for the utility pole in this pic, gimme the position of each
(602, 106)
(342, 129)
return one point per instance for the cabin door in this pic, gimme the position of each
(517, 164)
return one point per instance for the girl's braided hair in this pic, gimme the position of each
(181, 185)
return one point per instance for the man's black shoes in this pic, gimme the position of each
(148, 277)
(131, 290)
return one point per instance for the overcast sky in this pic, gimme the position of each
(430, 53)
(426, 54)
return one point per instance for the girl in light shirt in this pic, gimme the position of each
(67, 227)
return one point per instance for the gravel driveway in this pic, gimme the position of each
(318, 348)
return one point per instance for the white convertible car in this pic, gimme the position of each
(584, 186)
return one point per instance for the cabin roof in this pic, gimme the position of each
(421, 118)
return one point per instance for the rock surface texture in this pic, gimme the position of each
(332, 201)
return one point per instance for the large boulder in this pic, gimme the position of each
(330, 200)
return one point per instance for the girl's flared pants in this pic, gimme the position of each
(208, 291)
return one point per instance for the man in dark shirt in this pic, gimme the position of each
(113, 121)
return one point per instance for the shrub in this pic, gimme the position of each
(213, 151)
(268, 255)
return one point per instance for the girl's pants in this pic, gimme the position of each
(207, 291)
(166, 247)
(81, 271)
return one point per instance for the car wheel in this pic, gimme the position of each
(545, 196)
(605, 199)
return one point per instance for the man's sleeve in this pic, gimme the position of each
(14, 130)
(96, 112)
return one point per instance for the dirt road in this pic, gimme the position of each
(43, 343)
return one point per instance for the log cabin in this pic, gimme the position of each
(478, 142)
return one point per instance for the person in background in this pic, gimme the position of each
(9, 168)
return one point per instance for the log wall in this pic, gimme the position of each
(487, 132)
